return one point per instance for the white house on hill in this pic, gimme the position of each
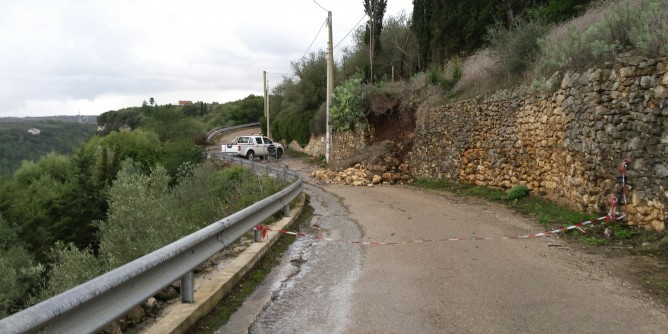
(34, 131)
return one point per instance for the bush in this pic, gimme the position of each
(517, 192)
(479, 74)
(516, 47)
(72, 267)
(448, 78)
(19, 275)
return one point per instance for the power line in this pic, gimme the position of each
(323, 8)
(351, 30)
(316, 37)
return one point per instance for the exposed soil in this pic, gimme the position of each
(398, 128)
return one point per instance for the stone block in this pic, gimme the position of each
(626, 72)
(658, 225)
(647, 82)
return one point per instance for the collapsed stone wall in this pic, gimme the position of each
(568, 145)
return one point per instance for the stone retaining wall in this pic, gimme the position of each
(568, 145)
(345, 145)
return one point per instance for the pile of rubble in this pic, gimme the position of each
(390, 171)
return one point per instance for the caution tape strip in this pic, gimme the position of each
(266, 229)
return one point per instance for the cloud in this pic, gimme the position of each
(66, 56)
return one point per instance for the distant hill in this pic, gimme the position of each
(90, 119)
(62, 136)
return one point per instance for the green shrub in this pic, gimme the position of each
(517, 192)
(19, 275)
(72, 267)
(621, 232)
(516, 47)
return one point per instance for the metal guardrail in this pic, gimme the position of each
(217, 131)
(92, 305)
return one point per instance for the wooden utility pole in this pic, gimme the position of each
(371, 41)
(266, 103)
(330, 85)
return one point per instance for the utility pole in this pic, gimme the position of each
(330, 85)
(266, 102)
(371, 40)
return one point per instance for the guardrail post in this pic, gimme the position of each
(286, 210)
(187, 288)
(257, 235)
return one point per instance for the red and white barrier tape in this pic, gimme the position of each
(612, 215)
(266, 229)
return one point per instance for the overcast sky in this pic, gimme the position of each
(65, 57)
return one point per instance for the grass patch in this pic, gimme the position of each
(594, 241)
(623, 232)
(518, 198)
(233, 300)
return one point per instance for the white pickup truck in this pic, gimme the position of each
(252, 146)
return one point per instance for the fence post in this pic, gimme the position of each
(286, 210)
(187, 288)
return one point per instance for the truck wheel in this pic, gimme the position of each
(279, 153)
(250, 155)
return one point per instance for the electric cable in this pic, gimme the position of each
(323, 8)
(351, 30)
(316, 37)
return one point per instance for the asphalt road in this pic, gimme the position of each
(496, 286)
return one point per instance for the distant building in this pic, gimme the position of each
(100, 128)
(34, 131)
(183, 103)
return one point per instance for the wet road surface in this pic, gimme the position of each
(496, 286)
(314, 280)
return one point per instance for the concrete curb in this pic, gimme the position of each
(183, 316)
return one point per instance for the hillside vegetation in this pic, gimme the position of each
(17, 144)
(67, 217)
